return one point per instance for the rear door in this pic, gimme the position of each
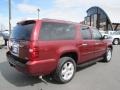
(99, 43)
(85, 44)
(53, 36)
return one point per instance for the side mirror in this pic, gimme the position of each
(105, 37)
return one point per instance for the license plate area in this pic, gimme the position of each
(15, 49)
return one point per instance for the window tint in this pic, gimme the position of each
(22, 31)
(85, 33)
(57, 31)
(96, 34)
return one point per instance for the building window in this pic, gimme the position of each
(103, 24)
(87, 20)
(95, 20)
(92, 20)
(109, 26)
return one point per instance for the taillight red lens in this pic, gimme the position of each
(34, 53)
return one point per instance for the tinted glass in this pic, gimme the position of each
(85, 33)
(22, 31)
(96, 34)
(57, 31)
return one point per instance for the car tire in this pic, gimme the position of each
(65, 70)
(108, 55)
(116, 41)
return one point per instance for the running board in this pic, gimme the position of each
(90, 62)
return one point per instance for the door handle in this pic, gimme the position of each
(84, 44)
(97, 43)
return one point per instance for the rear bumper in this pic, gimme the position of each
(34, 68)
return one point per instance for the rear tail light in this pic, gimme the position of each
(34, 53)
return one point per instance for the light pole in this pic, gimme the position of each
(38, 12)
(10, 16)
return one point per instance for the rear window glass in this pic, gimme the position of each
(22, 31)
(57, 31)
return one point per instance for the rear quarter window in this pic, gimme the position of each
(56, 31)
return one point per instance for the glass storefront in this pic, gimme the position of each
(96, 17)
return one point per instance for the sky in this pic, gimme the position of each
(70, 10)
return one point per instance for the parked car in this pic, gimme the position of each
(5, 35)
(114, 36)
(42, 47)
(1, 41)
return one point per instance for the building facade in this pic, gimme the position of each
(100, 19)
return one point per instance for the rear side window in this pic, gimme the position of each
(23, 31)
(85, 33)
(56, 31)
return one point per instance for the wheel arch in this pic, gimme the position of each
(110, 46)
(73, 54)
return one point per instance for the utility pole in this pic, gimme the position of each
(10, 16)
(38, 12)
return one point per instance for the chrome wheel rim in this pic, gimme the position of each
(116, 42)
(67, 71)
(109, 55)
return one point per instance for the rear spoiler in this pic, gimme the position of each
(26, 22)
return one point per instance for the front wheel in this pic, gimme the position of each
(108, 55)
(65, 70)
(116, 41)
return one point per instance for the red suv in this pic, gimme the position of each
(42, 47)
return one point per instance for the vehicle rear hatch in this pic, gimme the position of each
(20, 39)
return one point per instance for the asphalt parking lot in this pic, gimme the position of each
(99, 76)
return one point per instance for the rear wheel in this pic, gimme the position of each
(108, 55)
(116, 41)
(65, 70)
